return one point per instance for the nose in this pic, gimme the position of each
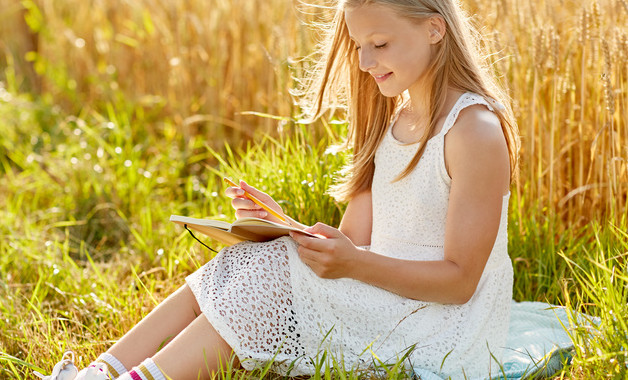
(366, 59)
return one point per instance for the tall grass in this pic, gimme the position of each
(565, 64)
(86, 250)
(197, 63)
(200, 65)
(603, 283)
(114, 115)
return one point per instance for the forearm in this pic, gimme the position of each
(431, 281)
(335, 256)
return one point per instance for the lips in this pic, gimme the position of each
(381, 77)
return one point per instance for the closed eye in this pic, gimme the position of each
(380, 46)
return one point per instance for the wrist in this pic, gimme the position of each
(355, 266)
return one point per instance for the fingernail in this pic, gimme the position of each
(240, 192)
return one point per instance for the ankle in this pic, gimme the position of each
(115, 367)
(147, 370)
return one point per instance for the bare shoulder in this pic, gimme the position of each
(478, 123)
(477, 144)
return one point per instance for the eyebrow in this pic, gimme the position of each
(368, 35)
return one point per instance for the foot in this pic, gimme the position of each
(66, 370)
(96, 371)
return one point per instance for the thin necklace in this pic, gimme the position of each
(414, 121)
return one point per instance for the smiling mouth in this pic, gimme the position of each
(381, 78)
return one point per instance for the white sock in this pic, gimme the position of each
(147, 370)
(115, 367)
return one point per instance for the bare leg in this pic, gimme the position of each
(197, 352)
(161, 325)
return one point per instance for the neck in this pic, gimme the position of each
(419, 104)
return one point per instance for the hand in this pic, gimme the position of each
(333, 256)
(246, 208)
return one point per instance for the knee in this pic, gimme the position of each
(189, 300)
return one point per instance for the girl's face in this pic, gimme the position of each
(395, 50)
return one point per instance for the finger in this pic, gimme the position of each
(315, 244)
(250, 214)
(323, 229)
(315, 262)
(296, 236)
(234, 192)
(255, 192)
(308, 256)
(310, 264)
(245, 204)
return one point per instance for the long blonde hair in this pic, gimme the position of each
(456, 64)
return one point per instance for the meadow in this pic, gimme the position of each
(116, 114)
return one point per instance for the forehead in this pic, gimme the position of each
(365, 20)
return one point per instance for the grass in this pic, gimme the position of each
(101, 140)
(86, 249)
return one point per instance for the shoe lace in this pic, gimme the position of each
(67, 358)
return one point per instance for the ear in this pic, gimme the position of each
(437, 27)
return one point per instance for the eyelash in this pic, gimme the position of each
(376, 46)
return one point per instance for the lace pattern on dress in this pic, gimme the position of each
(264, 301)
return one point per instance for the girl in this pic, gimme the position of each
(419, 263)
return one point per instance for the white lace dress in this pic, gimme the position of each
(266, 303)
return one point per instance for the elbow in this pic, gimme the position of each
(462, 297)
(465, 284)
(464, 293)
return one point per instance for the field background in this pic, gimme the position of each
(116, 114)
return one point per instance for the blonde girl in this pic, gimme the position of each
(419, 264)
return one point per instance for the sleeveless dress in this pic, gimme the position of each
(268, 305)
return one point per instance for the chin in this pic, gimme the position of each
(389, 93)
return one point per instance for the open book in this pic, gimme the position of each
(253, 229)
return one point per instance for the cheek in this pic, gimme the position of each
(424, 53)
(420, 59)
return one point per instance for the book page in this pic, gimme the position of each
(181, 220)
(253, 229)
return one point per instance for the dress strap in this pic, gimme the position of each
(465, 100)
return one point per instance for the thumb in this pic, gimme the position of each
(323, 229)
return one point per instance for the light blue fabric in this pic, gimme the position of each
(537, 346)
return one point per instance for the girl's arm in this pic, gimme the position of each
(358, 219)
(478, 164)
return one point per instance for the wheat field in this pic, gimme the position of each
(204, 66)
(115, 114)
